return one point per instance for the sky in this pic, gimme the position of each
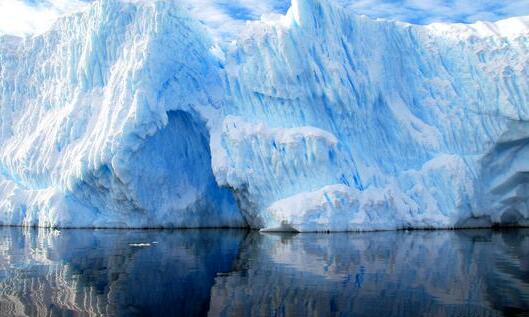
(25, 17)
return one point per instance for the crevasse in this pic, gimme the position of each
(133, 115)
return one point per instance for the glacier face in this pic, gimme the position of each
(134, 115)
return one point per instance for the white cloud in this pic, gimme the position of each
(18, 17)
(225, 17)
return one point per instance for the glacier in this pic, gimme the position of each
(136, 114)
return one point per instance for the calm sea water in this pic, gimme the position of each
(241, 273)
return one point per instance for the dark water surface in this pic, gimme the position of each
(240, 273)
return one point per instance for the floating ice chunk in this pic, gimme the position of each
(140, 245)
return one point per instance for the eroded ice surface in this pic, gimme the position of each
(134, 114)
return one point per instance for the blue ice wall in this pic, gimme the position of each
(137, 115)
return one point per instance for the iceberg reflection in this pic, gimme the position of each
(103, 273)
(438, 273)
(240, 273)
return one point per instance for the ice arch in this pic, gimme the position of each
(167, 182)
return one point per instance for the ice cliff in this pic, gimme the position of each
(133, 114)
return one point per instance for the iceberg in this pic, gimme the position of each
(135, 114)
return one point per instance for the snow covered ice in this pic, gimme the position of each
(136, 114)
